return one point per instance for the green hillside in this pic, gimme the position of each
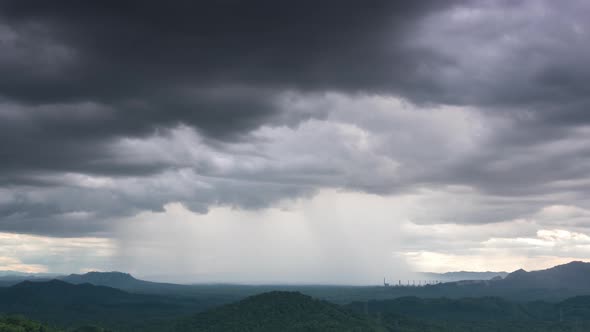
(278, 311)
(485, 314)
(65, 305)
(20, 324)
(80, 307)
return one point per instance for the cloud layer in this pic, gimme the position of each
(471, 113)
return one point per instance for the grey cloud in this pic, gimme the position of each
(256, 83)
(525, 58)
(90, 206)
(150, 53)
(138, 48)
(143, 66)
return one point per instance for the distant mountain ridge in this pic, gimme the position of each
(577, 272)
(62, 289)
(11, 273)
(553, 284)
(573, 275)
(462, 275)
(111, 279)
(124, 281)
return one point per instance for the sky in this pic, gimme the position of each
(329, 142)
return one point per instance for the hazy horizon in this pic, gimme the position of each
(417, 277)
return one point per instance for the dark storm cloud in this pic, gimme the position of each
(525, 58)
(78, 78)
(144, 65)
(217, 65)
(115, 52)
(74, 137)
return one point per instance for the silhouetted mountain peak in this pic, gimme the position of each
(516, 274)
(111, 279)
(121, 280)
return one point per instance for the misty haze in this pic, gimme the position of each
(258, 165)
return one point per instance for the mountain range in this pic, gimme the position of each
(574, 275)
(556, 283)
(555, 299)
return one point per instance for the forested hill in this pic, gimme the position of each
(575, 309)
(278, 311)
(20, 324)
(467, 309)
(291, 311)
(63, 304)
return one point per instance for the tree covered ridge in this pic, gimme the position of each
(293, 311)
(278, 311)
(14, 323)
(20, 324)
